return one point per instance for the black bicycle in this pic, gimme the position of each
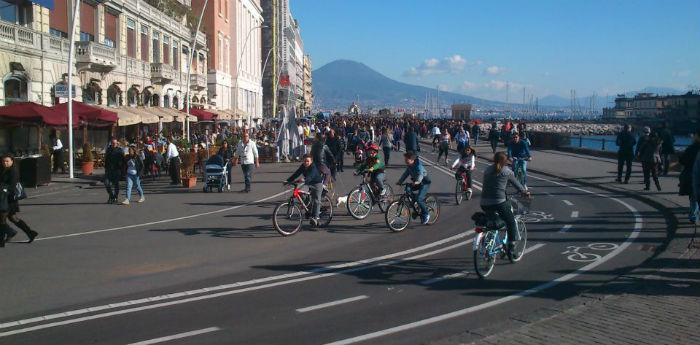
(400, 213)
(361, 199)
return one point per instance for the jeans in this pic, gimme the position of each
(494, 145)
(522, 163)
(504, 211)
(624, 161)
(387, 153)
(247, 173)
(693, 209)
(132, 180)
(112, 184)
(476, 138)
(420, 199)
(665, 161)
(460, 146)
(339, 160)
(650, 168)
(316, 191)
(377, 178)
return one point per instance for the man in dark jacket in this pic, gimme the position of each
(667, 147)
(313, 179)
(687, 160)
(323, 157)
(411, 141)
(334, 144)
(114, 164)
(625, 153)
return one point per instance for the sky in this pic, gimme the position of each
(479, 47)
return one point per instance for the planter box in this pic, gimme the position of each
(190, 182)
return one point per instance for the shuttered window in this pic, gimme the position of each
(88, 14)
(110, 28)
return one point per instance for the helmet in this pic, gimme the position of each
(372, 147)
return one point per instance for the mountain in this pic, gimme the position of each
(339, 83)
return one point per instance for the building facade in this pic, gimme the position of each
(126, 53)
(308, 86)
(461, 111)
(682, 112)
(234, 36)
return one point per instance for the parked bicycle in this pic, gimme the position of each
(492, 238)
(289, 215)
(400, 213)
(361, 199)
(462, 191)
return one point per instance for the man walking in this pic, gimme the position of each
(247, 155)
(625, 153)
(173, 157)
(57, 152)
(476, 131)
(114, 161)
(667, 147)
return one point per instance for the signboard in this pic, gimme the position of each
(60, 90)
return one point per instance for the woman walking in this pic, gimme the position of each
(134, 168)
(8, 180)
(444, 145)
(385, 143)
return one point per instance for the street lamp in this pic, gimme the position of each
(186, 123)
(238, 69)
(71, 55)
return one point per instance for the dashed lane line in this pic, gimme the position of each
(177, 336)
(565, 228)
(568, 203)
(332, 304)
(574, 214)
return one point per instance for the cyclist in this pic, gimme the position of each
(519, 154)
(421, 182)
(373, 164)
(313, 179)
(493, 194)
(465, 164)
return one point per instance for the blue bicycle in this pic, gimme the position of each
(519, 169)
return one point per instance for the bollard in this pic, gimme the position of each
(603, 144)
(580, 141)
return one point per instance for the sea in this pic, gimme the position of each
(595, 142)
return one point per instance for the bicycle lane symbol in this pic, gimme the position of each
(574, 252)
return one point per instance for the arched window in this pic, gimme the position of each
(176, 105)
(15, 90)
(147, 94)
(195, 100)
(92, 94)
(114, 96)
(166, 101)
(132, 97)
(155, 100)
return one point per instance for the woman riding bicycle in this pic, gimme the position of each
(493, 194)
(465, 164)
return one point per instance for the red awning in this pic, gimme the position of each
(202, 115)
(87, 113)
(33, 112)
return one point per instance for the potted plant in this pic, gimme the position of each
(88, 160)
(189, 179)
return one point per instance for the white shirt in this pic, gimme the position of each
(172, 151)
(467, 162)
(59, 145)
(248, 154)
(436, 130)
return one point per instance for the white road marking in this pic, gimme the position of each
(567, 202)
(299, 277)
(548, 194)
(331, 304)
(169, 220)
(461, 312)
(177, 336)
(565, 228)
(574, 214)
(533, 248)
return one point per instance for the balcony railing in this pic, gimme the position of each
(198, 81)
(161, 73)
(95, 56)
(138, 68)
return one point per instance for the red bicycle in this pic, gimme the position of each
(289, 215)
(462, 190)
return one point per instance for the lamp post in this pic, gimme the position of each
(186, 123)
(71, 55)
(238, 68)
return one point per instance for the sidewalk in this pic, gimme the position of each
(61, 182)
(656, 303)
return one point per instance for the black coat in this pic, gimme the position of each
(411, 141)
(114, 161)
(687, 159)
(625, 142)
(8, 179)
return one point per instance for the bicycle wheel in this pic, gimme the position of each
(433, 209)
(359, 203)
(326, 214)
(386, 199)
(459, 192)
(398, 216)
(483, 260)
(520, 174)
(287, 219)
(519, 248)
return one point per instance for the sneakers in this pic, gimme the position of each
(125, 202)
(143, 198)
(314, 222)
(469, 190)
(425, 219)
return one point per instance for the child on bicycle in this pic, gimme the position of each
(313, 179)
(421, 182)
(465, 164)
(373, 164)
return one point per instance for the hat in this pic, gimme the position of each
(646, 130)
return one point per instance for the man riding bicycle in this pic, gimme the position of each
(313, 179)
(519, 154)
(493, 195)
(421, 182)
(373, 164)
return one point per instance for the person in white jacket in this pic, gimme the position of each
(465, 164)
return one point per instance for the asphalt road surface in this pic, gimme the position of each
(187, 267)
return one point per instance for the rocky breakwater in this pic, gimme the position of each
(575, 128)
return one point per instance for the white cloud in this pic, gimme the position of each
(682, 74)
(502, 85)
(494, 70)
(451, 64)
(468, 86)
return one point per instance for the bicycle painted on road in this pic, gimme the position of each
(574, 252)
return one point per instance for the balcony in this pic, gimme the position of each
(137, 68)
(161, 73)
(198, 82)
(95, 57)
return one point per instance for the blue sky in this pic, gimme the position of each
(475, 47)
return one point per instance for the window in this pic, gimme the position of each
(220, 8)
(114, 96)
(166, 49)
(156, 46)
(15, 90)
(86, 37)
(131, 38)
(92, 94)
(226, 9)
(110, 22)
(227, 58)
(144, 43)
(57, 33)
(132, 97)
(8, 11)
(176, 57)
(166, 101)
(88, 22)
(220, 53)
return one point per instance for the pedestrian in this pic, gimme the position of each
(134, 170)
(667, 147)
(173, 158)
(411, 141)
(648, 152)
(493, 137)
(444, 145)
(57, 152)
(333, 143)
(247, 156)
(435, 132)
(386, 145)
(398, 135)
(688, 179)
(462, 139)
(114, 161)
(625, 153)
(9, 177)
(476, 131)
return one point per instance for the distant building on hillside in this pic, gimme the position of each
(461, 111)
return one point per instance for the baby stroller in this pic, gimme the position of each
(215, 174)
